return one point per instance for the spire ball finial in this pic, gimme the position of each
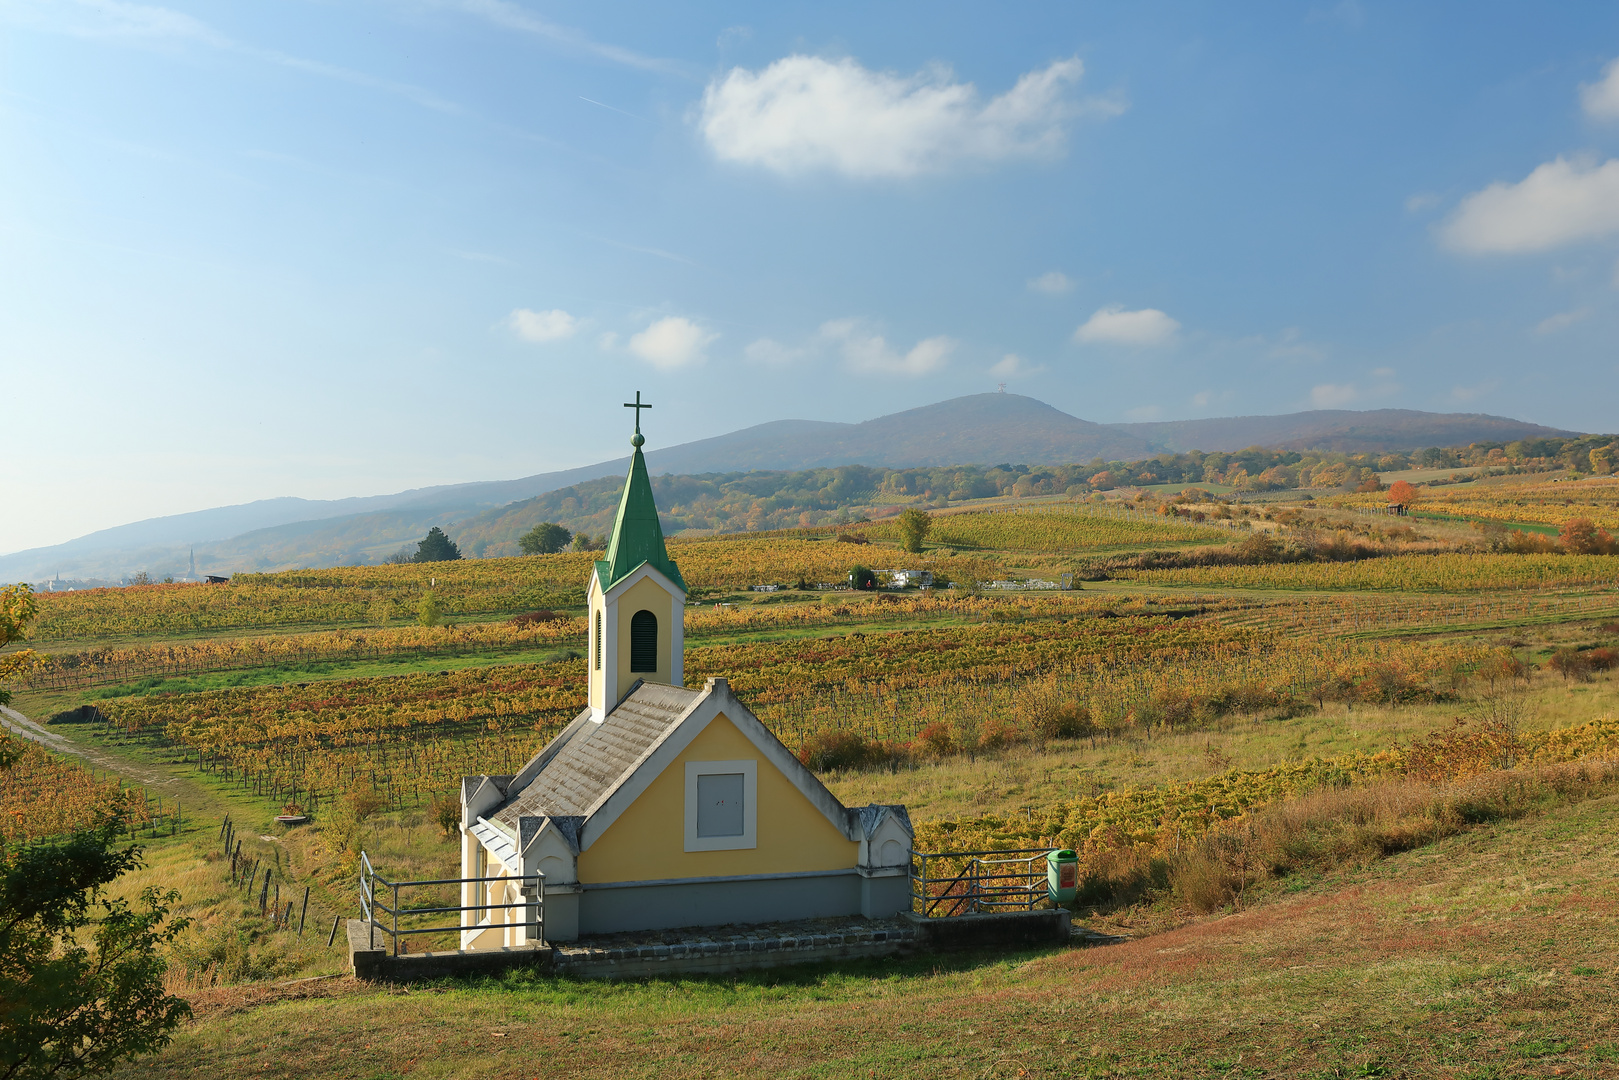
(637, 440)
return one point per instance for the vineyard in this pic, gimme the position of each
(1055, 531)
(110, 664)
(942, 690)
(376, 595)
(1545, 502)
(1447, 573)
(121, 663)
(43, 795)
(1165, 820)
(479, 587)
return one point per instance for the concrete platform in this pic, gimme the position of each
(998, 929)
(721, 950)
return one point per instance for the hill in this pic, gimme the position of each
(980, 429)
(1372, 431)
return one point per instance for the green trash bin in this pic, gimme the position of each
(1062, 876)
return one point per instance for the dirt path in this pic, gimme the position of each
(20, 725)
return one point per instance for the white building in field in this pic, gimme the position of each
(661, 806)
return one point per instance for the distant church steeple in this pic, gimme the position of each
(637, 597)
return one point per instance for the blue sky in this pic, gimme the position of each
(354, 246)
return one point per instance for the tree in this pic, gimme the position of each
(436, 547)
(861, 577)
(546, 538)
(18, 607)
(1403, 493)
(913, 528)
(427, 612)
(81, 975)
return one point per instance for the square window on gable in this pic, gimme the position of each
(721, 814)
(719, 804)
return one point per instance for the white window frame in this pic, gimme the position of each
(480, 869)
(749, 768)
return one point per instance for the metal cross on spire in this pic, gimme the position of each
(637, 406)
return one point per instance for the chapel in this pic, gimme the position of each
(662, 806)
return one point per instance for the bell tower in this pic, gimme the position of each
(637, 598)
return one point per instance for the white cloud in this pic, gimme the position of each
(1143, 413)
(1561, 321)
(1559, 203)
(1053, 283)
(870, 353)
(806, 114)
(541, 326)
(1116, 326)
(1422, 200)
(608, 341)
(1383, 372)
(1012, 365)
(1333, 395)
(671, 343)
(1601, 98)
(772, 353)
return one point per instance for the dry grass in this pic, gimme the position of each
(1329, 829)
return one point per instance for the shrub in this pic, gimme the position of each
(829, 750)
(1464, 750)
(533, 618)
(1063, 720)
(937, 739)
(1580, 536)
(1260, 548)
(1500, 667)
(999, 733)
(1570, 663)
(445, 812)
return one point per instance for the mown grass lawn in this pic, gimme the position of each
(1492, 954)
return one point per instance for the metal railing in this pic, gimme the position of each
(531, 887)
(945, 883)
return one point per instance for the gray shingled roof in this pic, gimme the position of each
(598, 757)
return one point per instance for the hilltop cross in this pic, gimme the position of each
(637, 406)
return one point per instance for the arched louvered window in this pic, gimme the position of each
(598, 641)
(644, 642)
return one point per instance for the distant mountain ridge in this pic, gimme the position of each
(980, 429)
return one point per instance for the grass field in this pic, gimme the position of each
(1489, 954)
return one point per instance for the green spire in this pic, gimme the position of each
(637, 536)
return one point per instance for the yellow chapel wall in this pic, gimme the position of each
(648, 595)
(647, 842)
